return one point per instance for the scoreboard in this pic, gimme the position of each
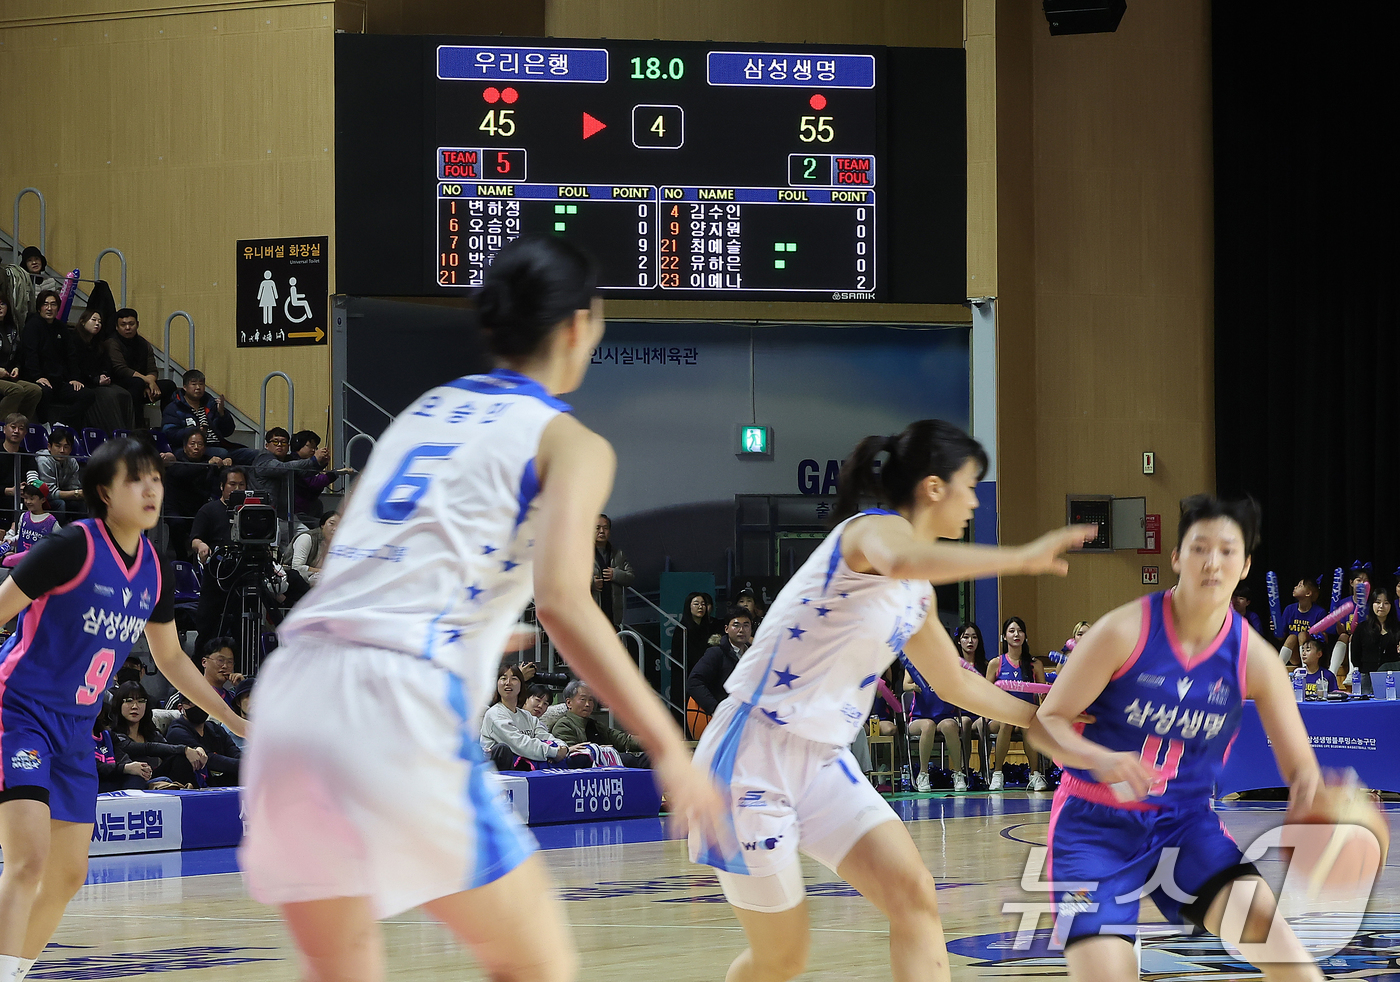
(687, 170)
(682, 169)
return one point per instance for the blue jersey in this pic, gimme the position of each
(1012, 673)
(71, 637)
(1180, 715)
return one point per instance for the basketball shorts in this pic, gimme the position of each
(364, 776)
(1103, 860)
(48, 756)
(786, 794)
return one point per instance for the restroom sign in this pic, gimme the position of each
(283, 291)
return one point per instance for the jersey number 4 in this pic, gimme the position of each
(95, 680)
(1166, 770)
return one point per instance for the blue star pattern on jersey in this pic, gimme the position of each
(474, 591)
(487, 550)
(507, 566)
(773, 716)
(796, 633)
(785, 676)
(823, 611)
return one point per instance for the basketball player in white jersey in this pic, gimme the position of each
(777, 745)
(366, 791)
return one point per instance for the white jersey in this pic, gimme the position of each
(433, 554)
(827, 638)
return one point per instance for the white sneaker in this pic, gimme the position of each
(998, 781)
(1037, 782)
(959, 781)
(921, 783)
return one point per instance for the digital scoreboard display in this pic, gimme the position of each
(684, 169)
(687, 170)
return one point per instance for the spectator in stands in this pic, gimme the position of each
(112, 408)
(17, 287)
(612, 573)
(115, 770)
(61, 474)
(1377, 640)
(135, 734)
(578, 726)
(1312, 650)
(310, 548)
(274, 469)
(191, 482)
(1299, 617)
(308, 487)
(705, 687)
(537, 699)
(749, 601)
(15, 465)
(242, 697)
(34, 523)
(211, 523)
(216, 659)
(35, 264)
(692, 635)
(47, 360)
(16, 395)
(194, 728)
(1240, 601)
(193, 409)
(133, 362)
(514, 739)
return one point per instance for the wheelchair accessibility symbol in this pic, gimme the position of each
(295, 299)
(295, 308)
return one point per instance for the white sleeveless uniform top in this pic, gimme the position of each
(432, 557)
(825, 641)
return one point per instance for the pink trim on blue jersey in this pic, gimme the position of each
(27, 627)
(116, 553)
(1100, 794)
(76, 581)
(1170, 624)
(1141, 641)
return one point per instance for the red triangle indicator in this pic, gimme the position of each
(592, 126)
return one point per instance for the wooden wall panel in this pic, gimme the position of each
(910, 23)
(1123, 293)
(176, 130)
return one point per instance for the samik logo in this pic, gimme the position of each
(771, 843)
(26, 760)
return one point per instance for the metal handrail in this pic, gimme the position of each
(351, 443)
(189, 320)
(43, 219)
(642, 645)
(367, 399)
(291, 403)
(97, 272)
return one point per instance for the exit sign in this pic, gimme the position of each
(755, 441)
(1149, 576)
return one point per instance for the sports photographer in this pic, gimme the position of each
(241, 575)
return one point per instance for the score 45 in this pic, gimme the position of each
(816, 129)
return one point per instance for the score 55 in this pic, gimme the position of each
(816, 128)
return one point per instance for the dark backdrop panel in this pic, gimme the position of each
(1306, 260)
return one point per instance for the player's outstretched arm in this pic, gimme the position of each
(575, 467)
(1099, 654)
(1269, 685)
(12, 601)
(180, 672)
(885, 544)
(933, 653)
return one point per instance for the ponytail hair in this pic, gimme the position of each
(533, 284)
(929, 447)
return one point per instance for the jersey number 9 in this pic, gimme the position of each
(95, 680)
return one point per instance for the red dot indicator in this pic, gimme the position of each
(817, 101)
(509, 95)
(491, 94)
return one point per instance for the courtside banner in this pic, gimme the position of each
(137, 821)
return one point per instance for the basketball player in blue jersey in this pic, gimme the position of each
(778, 745)
(483, 491)
(1165, 678)
(83, 595)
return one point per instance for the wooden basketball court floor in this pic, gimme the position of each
(641, 911)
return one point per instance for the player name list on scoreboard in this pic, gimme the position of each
(689, 171)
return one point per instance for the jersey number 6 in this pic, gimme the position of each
(95, 680)
(399, 498)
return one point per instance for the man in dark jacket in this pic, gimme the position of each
(705, 687)
(192, 409)
(578, 726)
(275, 468)
(134, 363)
(46, 360)
(612, 573)
(194, 728)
